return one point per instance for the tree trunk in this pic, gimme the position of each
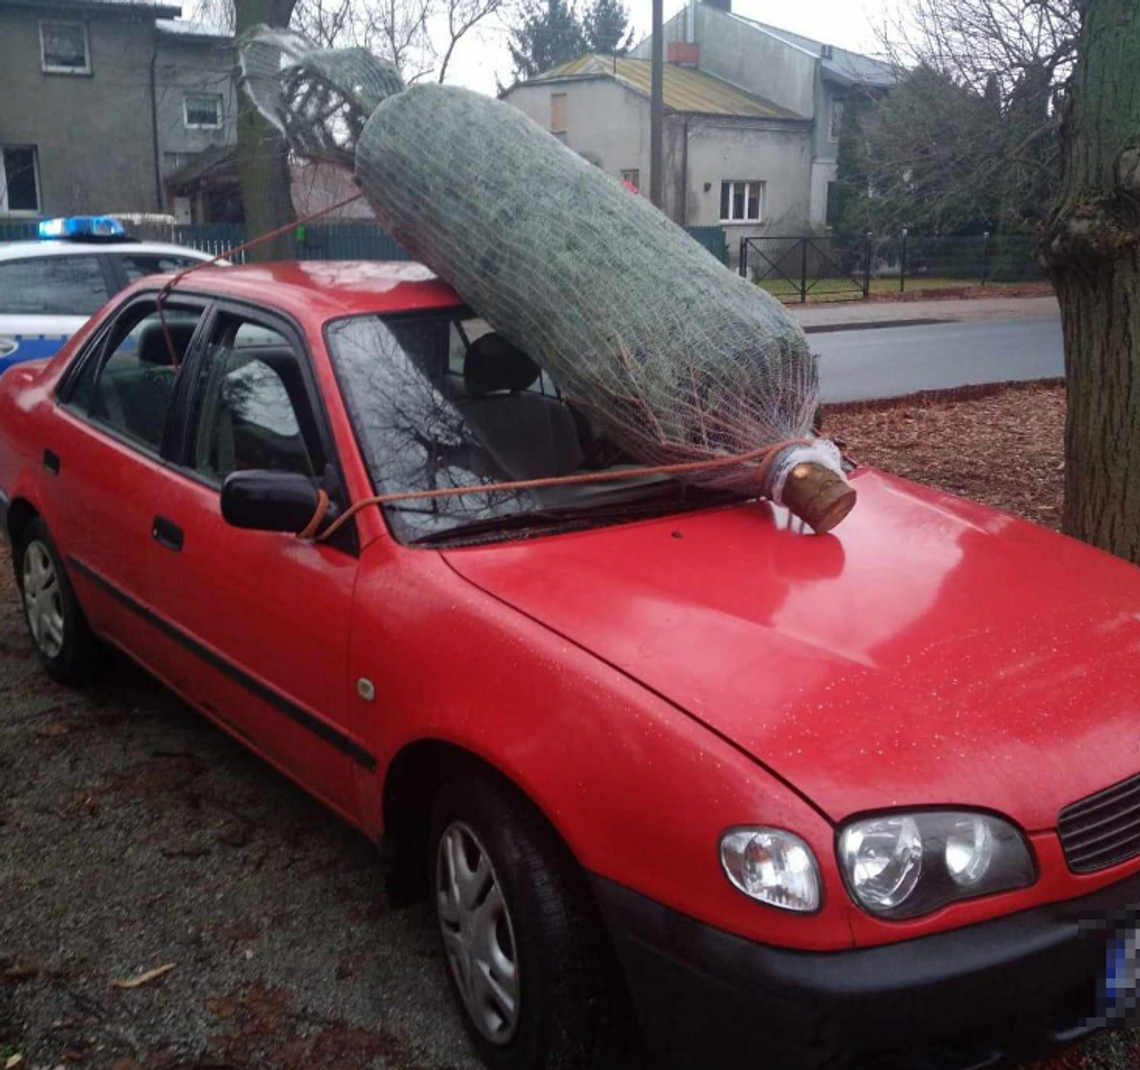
(1092, 251)
(262, 155)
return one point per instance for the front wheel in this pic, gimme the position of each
(523, 946)
(55, 622)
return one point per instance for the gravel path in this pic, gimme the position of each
(134, 834)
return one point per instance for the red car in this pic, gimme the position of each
(654, 753)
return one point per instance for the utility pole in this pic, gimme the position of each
(657, 109)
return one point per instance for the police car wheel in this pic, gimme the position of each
(55, 621)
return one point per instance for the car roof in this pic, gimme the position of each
(327, 289)
(20, 250)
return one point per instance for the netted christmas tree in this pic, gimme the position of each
(674, 356)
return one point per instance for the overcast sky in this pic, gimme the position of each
(846, 23)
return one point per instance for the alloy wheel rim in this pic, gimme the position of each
(478, 936)
(43, 600)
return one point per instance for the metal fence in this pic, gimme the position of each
(832, 268)
(344, 241)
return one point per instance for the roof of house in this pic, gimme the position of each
(686, 89)
(150, 8)
(192, 28)
(212, 158)
(841, 65)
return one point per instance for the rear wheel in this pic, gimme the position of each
(55, 622)
(523, 946)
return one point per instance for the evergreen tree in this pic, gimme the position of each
(548, 33)
(606, 27)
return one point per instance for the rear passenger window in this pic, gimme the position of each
(254, 411)
(52, 286)
(131, 389)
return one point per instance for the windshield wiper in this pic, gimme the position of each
(581, 514)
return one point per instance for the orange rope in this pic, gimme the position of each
(765, 454)
(313, 526)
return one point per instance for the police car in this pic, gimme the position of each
(48, 288)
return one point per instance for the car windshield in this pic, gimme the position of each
(440, 401)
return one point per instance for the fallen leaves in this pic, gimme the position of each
(144, 978)
(13, 972)
(1005, 449)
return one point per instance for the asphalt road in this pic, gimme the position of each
(860, 365)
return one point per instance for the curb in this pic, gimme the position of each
(873, 325)
(966, 392)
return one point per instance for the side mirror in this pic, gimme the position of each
(269, 501)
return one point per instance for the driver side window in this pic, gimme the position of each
(254, 412)
(127, 384)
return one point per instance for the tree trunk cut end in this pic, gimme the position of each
(818, 496)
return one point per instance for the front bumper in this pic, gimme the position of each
(986, 995)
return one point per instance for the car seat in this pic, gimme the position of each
(529, 435)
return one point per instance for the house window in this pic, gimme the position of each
(19, 181)
(558, 115)
(632, 178)
(203, 111)
(835, 120)
(64, 48)
(741, 202)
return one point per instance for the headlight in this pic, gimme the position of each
(902, 865)
(772, 866)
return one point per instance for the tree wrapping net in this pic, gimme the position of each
(675, 357)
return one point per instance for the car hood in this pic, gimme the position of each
(929, 652)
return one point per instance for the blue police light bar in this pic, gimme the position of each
(82, 226)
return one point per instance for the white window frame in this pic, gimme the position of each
(21, 213)
(203, 96)
(51, 69)
(762, 195)
(835, 118)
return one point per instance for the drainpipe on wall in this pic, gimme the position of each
(154, 122)
(657, 109)
(685, 172)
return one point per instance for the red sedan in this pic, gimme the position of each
(654, 753)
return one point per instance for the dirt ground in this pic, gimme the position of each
(1005, 448)
(133, 834)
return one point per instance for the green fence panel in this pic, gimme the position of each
(355, 241)
(10, 231)
(713, 239)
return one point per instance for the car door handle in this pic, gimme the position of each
(166, 533)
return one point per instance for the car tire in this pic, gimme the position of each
(56, 624)
(530, 914)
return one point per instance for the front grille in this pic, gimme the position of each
(1103, 829)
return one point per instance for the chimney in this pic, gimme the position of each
(683, 53)
(827, 51)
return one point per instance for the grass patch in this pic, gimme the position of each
(842, 289)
